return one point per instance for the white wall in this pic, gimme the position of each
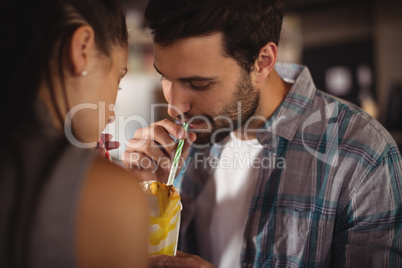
(133, 108)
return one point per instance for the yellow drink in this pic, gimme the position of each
(165, 208)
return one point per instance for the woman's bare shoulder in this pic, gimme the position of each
(112, 223)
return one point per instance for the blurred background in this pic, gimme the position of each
(353, 50)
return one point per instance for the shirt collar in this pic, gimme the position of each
(288, 116)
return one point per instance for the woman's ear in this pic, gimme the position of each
(81, 49)
(265, 62)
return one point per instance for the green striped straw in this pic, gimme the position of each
(176, 159)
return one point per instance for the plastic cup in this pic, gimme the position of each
(164, 220)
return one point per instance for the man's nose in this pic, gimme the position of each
(178, 99)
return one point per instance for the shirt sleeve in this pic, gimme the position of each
(368, 232)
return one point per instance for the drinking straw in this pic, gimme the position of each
(176, 158)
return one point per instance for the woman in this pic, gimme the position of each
(61, 205)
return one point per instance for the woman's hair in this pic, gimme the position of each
(35, 37)
(247, 25)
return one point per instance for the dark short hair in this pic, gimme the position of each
(247, 25)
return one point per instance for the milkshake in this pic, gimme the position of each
(165, 208)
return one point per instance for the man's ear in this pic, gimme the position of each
(266, 61)
(81, 49)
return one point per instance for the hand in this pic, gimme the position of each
(180, 260)
(153, 149)
(108, 144)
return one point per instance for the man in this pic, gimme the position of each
(280, 174)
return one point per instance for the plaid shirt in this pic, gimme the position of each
(335, 200)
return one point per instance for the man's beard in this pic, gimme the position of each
(243, 105)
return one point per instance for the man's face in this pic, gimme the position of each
(213, 93)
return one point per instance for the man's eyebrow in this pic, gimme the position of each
(191, 78)
(196, 79)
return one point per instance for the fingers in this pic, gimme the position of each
(162, 132)
(189, 140)
(140, 161)
(148, 147)
(153, 148)
(161, 261)
(181, 254)
(174, 129)
(170, 261)
(180, 260)
(147, 161)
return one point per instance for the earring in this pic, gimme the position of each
(84, 73)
